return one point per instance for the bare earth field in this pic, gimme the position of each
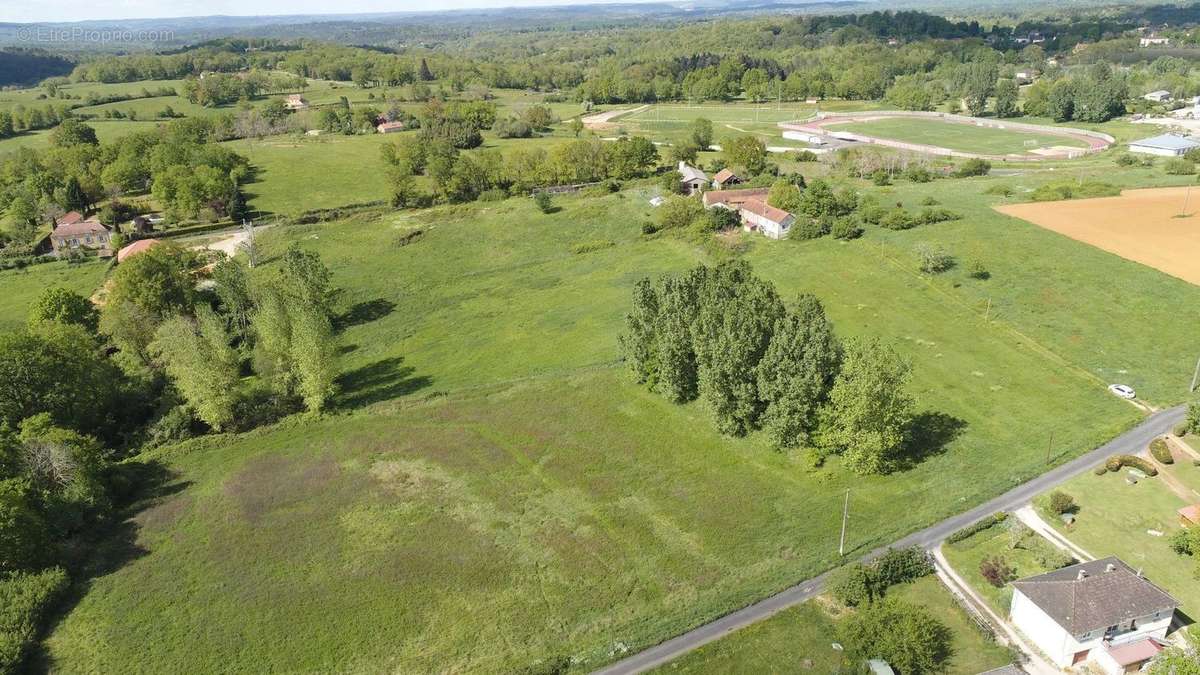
(1141, 225)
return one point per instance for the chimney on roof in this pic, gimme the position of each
(1110, 568)
(1082, 575)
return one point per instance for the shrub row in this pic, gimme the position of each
(25, 599)
(974, 529)
(1160, 451)
(1115, 463)
(858, 584)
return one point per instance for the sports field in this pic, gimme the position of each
(960, 137)
(1158, 227)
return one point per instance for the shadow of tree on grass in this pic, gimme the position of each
(379, 381)
(364, 312)
(928, 436)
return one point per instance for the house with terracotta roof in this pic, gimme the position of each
(757, 215)
(389, 127)
(1100, 612)
(139, 246)
(73, 232)
(724, 178)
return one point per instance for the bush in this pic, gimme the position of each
(881, 177)
(543, 201)
(809, 228)
(930, 216)
(493, 195)
(853, 585)
(933, 259)
(1100, 470)
(929, 201)
(975, 528)
(977, 270)
(1127, 160)
(999, 189)
(1178, 166)
(1160, 451)
(897, 219)
(805, 156)
(1058, 191)
(918, 174)
(649, 228)
(872, 214)
(25, 599)
(997, 571)
(845, 228)
(1115, 463)
(1061, 502)
(902, 565)
(973, 167)
(1183, 542)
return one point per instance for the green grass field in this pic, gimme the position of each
(505, 438)
(20, 288)
(960, 137)
(1116, 518)
(799, 639)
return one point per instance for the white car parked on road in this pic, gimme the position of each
(1122, 390)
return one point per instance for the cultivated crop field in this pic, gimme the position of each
(1158, 227)
(558, 489)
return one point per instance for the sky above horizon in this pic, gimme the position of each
(83, 10)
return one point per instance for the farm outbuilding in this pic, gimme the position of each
(1165, 145)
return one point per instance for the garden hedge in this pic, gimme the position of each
(1160, 451)
(976, 528)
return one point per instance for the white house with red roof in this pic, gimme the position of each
(390, 127)
(757, 215)
(73, 232)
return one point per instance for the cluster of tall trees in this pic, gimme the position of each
(722, 335)
(1096, 94)
(464, 176)
(190, 175)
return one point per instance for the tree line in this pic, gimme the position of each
(162, 361)
(724, 336)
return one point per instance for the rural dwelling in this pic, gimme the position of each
(296, 102)
(389, 127)
(1160, 96)
(73, 231)
(723, 178)
(1100, 612)
(751, 205)
(1023, 76)
(1165, 145)
(139, 246)
(1189, 516)
(693, 180)
(1153, 40)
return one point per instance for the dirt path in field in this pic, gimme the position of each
(604, 120)
(1157, 227)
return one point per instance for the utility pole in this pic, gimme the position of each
(845, 517)
(1186, 196)
(1195, 375)
(1049, 444)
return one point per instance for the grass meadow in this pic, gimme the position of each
(494, 491)
(20, 288)
(800, 639)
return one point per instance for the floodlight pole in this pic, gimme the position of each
(845, 517)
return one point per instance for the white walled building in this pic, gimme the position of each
(693, 180)
(1165, 145)
(1099, 611)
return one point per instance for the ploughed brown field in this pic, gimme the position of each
(1140, 225)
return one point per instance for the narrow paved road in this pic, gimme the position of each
(1131, 442)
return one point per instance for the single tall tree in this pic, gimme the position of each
(870, 409)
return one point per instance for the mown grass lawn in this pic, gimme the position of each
(961, 137)
(799, 639)
(965, 557)
(20, 288)
(1116, 518)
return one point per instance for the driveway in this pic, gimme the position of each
(1130, 442)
